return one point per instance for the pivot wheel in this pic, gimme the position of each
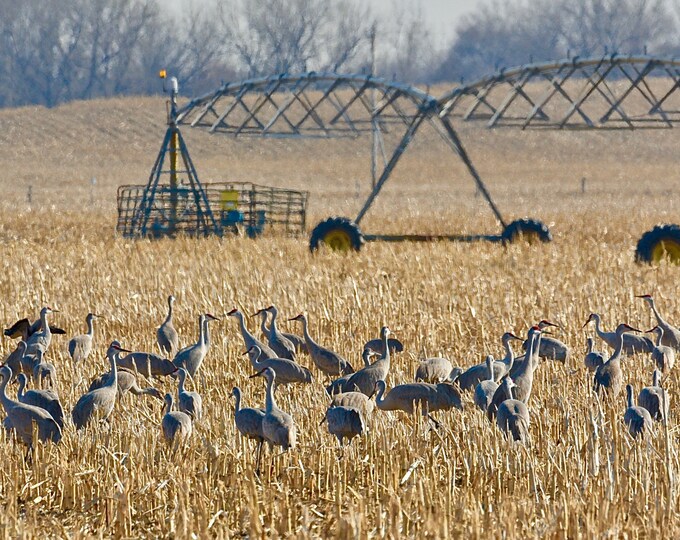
(662, 242)
(337, 233)
(530, 230)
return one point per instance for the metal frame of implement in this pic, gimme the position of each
(592, 93)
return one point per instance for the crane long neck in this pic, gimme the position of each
(509, 354)
(206, 333)
(489, 367)
(244, 331)
(659, 336)
(270, 403)
(535, 351)
(263, 324)
(114, 370)
(90, 326)
(201, 331)
(22, 386)
(305, 330)
(254, 356)
(655, 378)
(379, 398)
(182, 378)
(168, 404)
(43, 322)
(589, 345)
(616, 355)
(511, 393)
(237, 395)
(4, 398)
(598, 328)
(629, 396)
(169, 316)
(659, 318)
(272, 326)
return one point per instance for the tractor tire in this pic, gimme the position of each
(662, 242)
(529, 229)
(337, 233)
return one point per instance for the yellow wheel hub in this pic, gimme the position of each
(338, 240)
(668, 248)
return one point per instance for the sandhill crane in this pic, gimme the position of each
(297, 341)
(43, 371)
(175, 426)
(345, 422)
(637, 419)
(278, 427)
(287, 371)
(378, 345)
(631, 344)
(249, 423)
(364, 380)
(189, 402)
(472, 376)
(434, 370)
(485, 390)
(356, 400)
(663, 355)
(338, 385)
(551, 348)
(500, 395)
(593, 358)
(127, 382)
(45, 399)
(147, 364)
(671, 334)
(513, 415)
(22, 417)
(166, 335)
(24, 329)
(15, 359)
(329, 362)
(250, 340)
(428, 397)
(523, 378)
(654, 398)
(42, 338)
(98, 404)
(192, 357)
(281, 345)
(79, 347)
(609, 376)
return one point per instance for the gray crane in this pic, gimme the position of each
(189, 402)
(513, 417)
(485, 390)
(523, 378)
(166, 335)
(365, 379)
(249, 423)
(671, 334)
(631, 344)
(80, 347)
(45, 399)
(297, 341)
(98, 404)
(147, 364)
(22, 417)
(127, 382)
(551, 348)
(42, 338)
(43, 371)
(192, 357)
(609, 376)
(328, 361)
(281, 345)
(637, 419)
(663, 355)
(593, 359)
(24, 329)
(175, 425)
(472, 376)
(15, 359)
(355, 400)
(345, 423)
(338, 385)
(287, 371)
(378, 345)
(654, 398)
(250, 340)
(427, 397)
(434, 370)
(278, 427)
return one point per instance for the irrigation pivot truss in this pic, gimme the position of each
(612, 92)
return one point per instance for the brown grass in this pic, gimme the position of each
(581, 476)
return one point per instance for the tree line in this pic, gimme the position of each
(53, 51)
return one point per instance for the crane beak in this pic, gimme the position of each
(258, 374)
(651, 330)
(513, 336)
(232, 312)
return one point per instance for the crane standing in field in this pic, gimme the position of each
(486, 389)
(22, 417)
(42, 338)
(45, 399)
(523, 378)
(192, 357)
(631, 344)
(364, 380)
(593, 359)
(278, 427)
(249, 423)
(297, 341)
(127, 382)
(345, 422)
(189, 402)
(338, 385)
(512, 417)
(80, 347)
(654, 398)
(287, 371)
(671, 334)
(250, 340)
(281, 345)
(98, 404)
(609, 376)
(328, 361)
(551, 348)
(175, 425)
(472, 376)
(166, 335)
(663, 355)
(24, 329)
(43, 371)
(637, 419)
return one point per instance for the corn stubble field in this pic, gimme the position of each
(581, 475)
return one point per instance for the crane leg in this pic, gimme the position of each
(259, 458)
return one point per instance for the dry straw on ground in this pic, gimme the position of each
(581, 475)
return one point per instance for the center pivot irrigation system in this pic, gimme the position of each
(611, 92)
